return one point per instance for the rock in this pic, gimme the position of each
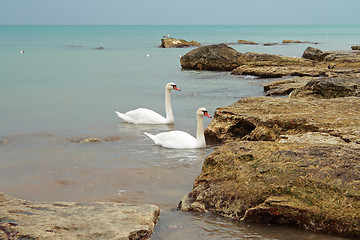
(281, 71)
(312, 186)
(276, 66)
(247, 42)
(313, 54)
(285, 87)
(270, 44)
(94, 139)
(20, 219)
(355, 47)
(264, 59)
(99, 48)
(177, 43)
(312, 138)
(296, 41)
(346, 57)
(266, 119)
(340, 59)
(219, 57)
(343, 86)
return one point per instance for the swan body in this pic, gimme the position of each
(147, 116)
(180, 139)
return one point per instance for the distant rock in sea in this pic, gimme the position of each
(247, 42)
(177, 43)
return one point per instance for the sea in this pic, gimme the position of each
(62, 84)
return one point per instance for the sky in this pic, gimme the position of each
(183, 12)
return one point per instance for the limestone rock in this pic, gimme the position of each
(313, 54)
(247, 42)
(297, 41)
(177, 43)
(285, 87)
(340, 59)
(343, 86)
(276, 66)
(342, 56)
(218, 57)
(20, 219)
(264, 118)
(281, 71)
(270, 44)
(312, 186)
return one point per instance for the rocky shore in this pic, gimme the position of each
(20, 219)
(294, 160)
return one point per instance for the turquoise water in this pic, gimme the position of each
(62, 88)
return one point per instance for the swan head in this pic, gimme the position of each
(172, 86)
(203, 112)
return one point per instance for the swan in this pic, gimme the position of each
(147, 116)
(180, 139)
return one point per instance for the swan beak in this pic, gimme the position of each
(176, 88)
(206, 114)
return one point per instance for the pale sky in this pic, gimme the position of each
(182, 12)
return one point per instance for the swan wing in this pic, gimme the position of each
(175, 139)
(142, 116)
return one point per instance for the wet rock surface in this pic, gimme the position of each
(312, 186)
(20, 219)
(292, 161)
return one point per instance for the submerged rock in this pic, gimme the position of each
(177, 43)
(312, 186)
(20, 219)
(94, 139)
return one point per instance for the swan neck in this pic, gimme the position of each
(200, 137)
(168, 109)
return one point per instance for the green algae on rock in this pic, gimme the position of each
(315, 187)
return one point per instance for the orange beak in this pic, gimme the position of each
(175, 88)
(206, 114)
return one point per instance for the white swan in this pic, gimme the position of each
(180, 139)
(147, 116)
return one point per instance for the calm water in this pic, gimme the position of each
(62, 89)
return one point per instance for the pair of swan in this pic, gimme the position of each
(172, 139)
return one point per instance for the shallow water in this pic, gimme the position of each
(55, 94)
